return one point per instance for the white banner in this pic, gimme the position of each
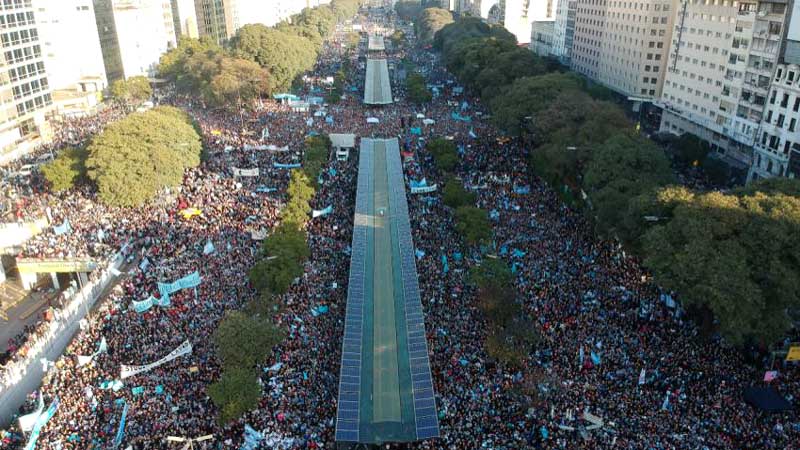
(129, 371)
(27, 421)
(245, 172)
(258, 235)
(423, 189)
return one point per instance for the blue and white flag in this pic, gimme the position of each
(121, 429)
(472, 134)
(419, 184)
(322, 212)
(251, 438)
(416, 130)
(286, 166)
(40, 423)
(580, 356)
(419, 253)
(595, 358)
(665, 404)
(522, 189)
(63, 228)
(209, 248)
(445, 265)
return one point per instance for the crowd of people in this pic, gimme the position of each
(611, 345)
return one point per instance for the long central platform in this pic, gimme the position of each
(385, 386)
(377, 87)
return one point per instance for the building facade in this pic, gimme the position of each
(184, 19)
(25, 94)
(564, 30)
(219, 19)
(542, 37)
(623, 45)
(133, 35)
(722, 60)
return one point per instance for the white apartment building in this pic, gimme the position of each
(623, 45)
(133, 35)
(776, 152)
(78, 59)
(25, 95)
(269, 13)
(564, 30)
(722, 60)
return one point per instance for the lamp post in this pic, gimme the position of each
(189, 441)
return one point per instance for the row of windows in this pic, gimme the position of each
(16, 4)
(640, 6)
(19, 37)
(34, 104)
(19, 19)
(23, 54)
(29, 70)
(29, 88)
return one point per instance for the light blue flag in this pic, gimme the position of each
(595, 358)
(417, 131)
(121, 429)
(445, 266)
(40, 423)
(63, 228)
(251, 438)
(209, 248)
(419, 253)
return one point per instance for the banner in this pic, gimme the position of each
(237, 172)
(417, 131)
(142, 306)
(418, 184)
(286, 166)
(188, 213)
(424, 190)
(522, 189)
(189, 281)
(128, 371)
(460, 118)
(251, 438)
(63, 228)
(264, 189)
(794, 354)
(27, 421)
(258, 235)
(322, 212)
(121, 429)
(41, 421)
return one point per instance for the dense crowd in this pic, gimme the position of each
(585, 296)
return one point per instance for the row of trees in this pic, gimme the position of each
(132, 159)
(429, 21)
(259, 61)
(728, 255)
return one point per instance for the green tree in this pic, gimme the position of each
(316, 151)
(444, 153)
(283, 54)
(244, 341)
(734, 255)
(173, 64)
(454, 195)
(430, 21)
(287, 241)
(408, 10)
(68, 169)
(238, 81)
(473, 225)
(623, 167)
(235, 393)
(690, 149)
(132, 91)
(275, 274)
(134, 158)
(417, 89)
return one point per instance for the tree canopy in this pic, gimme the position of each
(735, 255)
(236, 392)
(245, 341)
(134, 158)
(282, 54)
(68, 169)
(429, 22)
(473, 225)
(133, 91)
(417, 89)
(444, 153)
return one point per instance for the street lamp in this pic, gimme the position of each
(189, 441)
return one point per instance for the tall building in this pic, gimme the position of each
(776, 152)
(184, 18)
(219, 19)
(542, 37)
(79, 59)
(564, 30)
(623, 45)
(133, 35)
(722, 60)
(25, 95)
